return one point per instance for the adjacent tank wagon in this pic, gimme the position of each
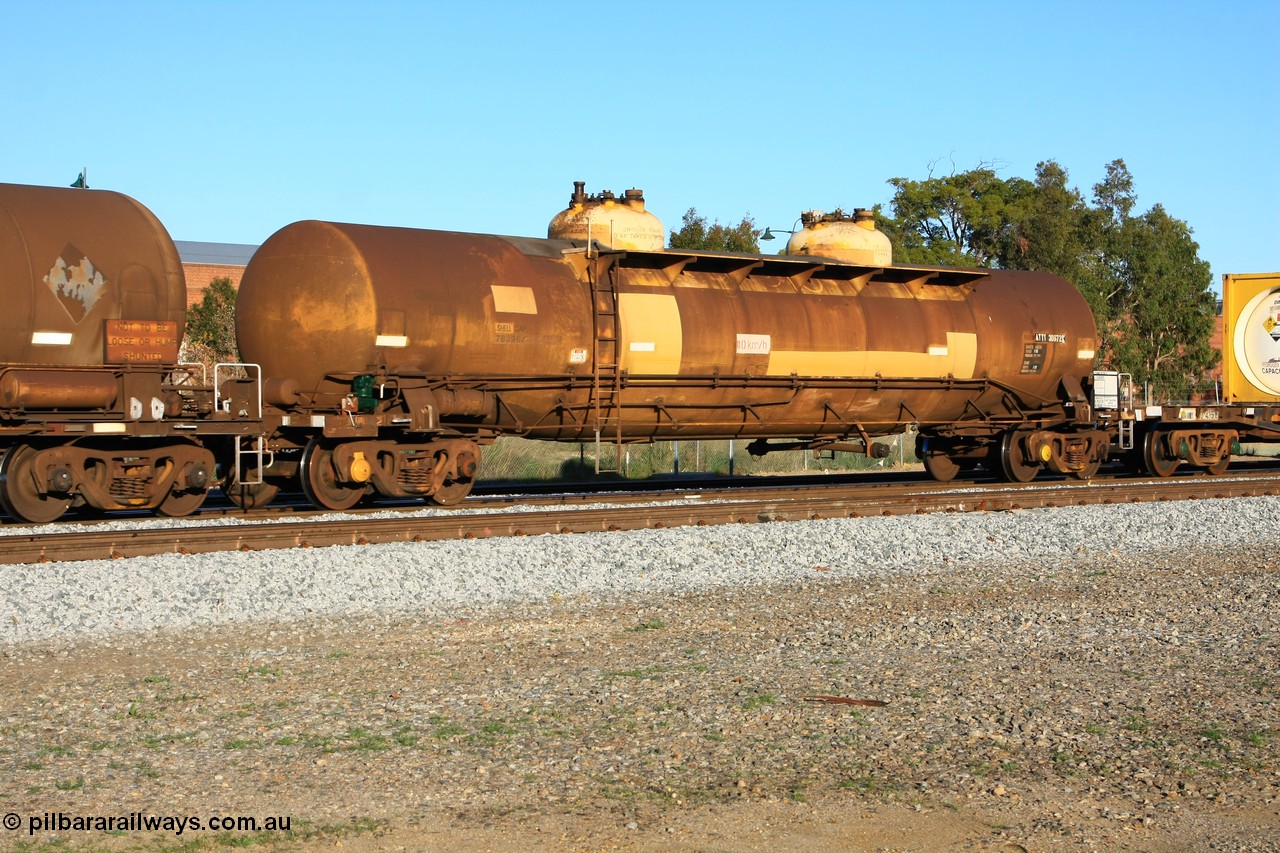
(92, 410)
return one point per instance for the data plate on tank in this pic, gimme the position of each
(1034, 349)
(141, 342)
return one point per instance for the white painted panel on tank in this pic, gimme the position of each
(513, 300)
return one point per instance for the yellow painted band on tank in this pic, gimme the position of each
(959, 361)
(513, 300)
(652, 336)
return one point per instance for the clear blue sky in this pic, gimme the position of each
(233, 119)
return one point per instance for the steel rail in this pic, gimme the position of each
(853, 502)
(495, 495)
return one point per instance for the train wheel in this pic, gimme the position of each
(1014, 464)
(1088, 472)
(320, 479)
(250, 496)
(18, 492)
(1219, 467)
(1156, 461)
(181, 504)
(244, 495)
(939, 465)
(452, 493)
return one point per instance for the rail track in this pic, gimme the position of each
(492, 516)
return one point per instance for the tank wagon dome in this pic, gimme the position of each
(612, 222)
(852, 238)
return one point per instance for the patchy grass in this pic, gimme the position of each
(242, 743)
(646, 672)
(1065, 762)
(1136, 723)
(1258, 738)
(448, 730)
(861, 784)
(1212, 733)
(161, 741)
(759, 700)
(491, 732)
(363, 740)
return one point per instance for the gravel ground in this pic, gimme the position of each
(65, 602)
(1090, 678)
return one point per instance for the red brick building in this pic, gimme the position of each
(203, 262)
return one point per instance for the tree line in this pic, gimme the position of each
(1140, 272)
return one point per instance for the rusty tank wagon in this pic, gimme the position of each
(94, 409)
(397, 354)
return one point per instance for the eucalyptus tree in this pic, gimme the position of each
(695, 233)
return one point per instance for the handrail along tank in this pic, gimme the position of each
(555, 339)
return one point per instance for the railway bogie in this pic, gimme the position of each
(337, 474)
(1207, 448)
(1163, 447)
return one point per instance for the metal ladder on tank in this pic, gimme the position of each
(606, 374)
